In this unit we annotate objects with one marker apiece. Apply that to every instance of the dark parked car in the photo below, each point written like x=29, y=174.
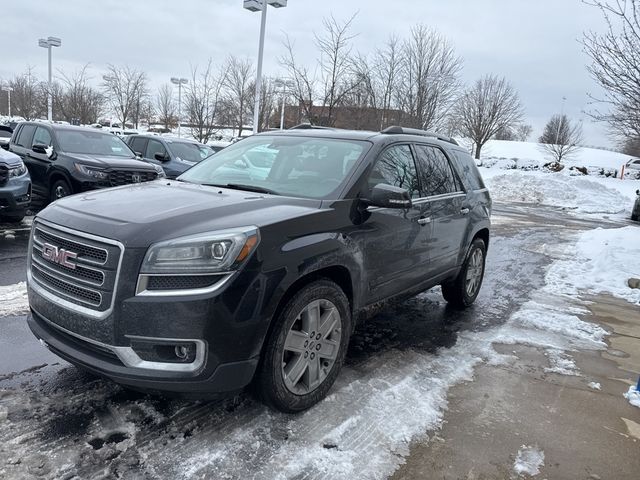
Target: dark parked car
x=5, y=136
x=635, y=213
x=64, y=160
x=174, y=155
x=219, y=278
x=15, y=187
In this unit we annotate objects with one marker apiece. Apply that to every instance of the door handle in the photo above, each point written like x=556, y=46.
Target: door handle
x=424, y=220
x=464, y=211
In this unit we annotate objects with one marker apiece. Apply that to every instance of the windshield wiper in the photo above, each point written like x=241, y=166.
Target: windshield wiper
x=249, y=188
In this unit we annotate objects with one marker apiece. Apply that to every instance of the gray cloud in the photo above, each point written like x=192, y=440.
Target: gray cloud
x=534, y=44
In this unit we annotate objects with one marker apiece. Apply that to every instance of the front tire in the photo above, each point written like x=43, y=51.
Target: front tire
x=305, y=350
x=60, y=189
x=463, y=291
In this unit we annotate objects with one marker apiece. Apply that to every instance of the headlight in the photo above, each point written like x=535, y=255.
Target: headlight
x=93, y=172
x=212, y=252
x=159, y=171
x=18, y=171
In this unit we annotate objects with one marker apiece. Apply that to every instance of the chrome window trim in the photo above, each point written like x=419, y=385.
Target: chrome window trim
x=143, y=281
x=62, y=302
x=130, y=358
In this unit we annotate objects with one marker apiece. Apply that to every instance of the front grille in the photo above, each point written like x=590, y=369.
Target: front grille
x=182, y=282
x=126, y=177
x=91, y=283
x=4, y=174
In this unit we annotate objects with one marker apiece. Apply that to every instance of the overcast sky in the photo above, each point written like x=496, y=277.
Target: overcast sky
x=533, y=43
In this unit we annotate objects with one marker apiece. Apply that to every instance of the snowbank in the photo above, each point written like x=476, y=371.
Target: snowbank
x=633, y=396
x=14, y=299
x=555, y=189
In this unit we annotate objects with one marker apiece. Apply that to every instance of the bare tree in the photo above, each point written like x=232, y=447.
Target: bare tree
x=631, y=146
x=523, y=131
x=428, y=80
x=615, y=64
x=332, y=82
x=268, y=104
x=125, y=89
x=75, y=100
x=239, y=90
x=202, y=99
x=27, y=96
x=489, y=105
x=166, y=106
x=560, y=138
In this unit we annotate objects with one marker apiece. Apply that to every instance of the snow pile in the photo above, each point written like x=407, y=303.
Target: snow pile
x=561, y=363
x=529, y=460
x=576, y=193
x=594, y=386
x=633, y=395
x=604, y=259
x=14, y=299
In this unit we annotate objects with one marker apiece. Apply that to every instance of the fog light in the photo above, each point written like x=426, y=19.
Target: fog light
x=181, y=352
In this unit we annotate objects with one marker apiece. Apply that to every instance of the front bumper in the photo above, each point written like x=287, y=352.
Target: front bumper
x=103, y=360
x=15, y=195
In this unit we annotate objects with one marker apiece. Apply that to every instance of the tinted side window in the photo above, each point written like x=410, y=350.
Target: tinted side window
x=25, y=136
x=436, y=175
x=467, y=166
x=138, y=144
x=154, y=147
x=395, y=167
x=42, y=137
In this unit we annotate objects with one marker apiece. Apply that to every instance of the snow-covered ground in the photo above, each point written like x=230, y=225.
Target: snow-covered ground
x=515, y=172
x=13, y=299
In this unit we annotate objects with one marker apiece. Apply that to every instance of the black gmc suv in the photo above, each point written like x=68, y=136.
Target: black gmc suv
x=64, y=160
x=224, y=276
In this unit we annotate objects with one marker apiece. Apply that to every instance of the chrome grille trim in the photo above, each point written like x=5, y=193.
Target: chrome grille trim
x=66, y=241
x=67, y=301
x=68, y=273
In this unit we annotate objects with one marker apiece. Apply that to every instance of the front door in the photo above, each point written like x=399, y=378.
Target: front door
x=395, y=240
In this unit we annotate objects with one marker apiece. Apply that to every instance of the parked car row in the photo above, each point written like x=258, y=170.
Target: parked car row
x=56, y=160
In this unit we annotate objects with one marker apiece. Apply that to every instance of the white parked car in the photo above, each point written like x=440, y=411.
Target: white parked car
x=633, y=164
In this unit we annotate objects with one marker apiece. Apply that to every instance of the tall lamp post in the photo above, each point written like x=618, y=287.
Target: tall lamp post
x=285, y=85
x=8, y=90
x=179, y=82
x=260, y=6
x=48, y=43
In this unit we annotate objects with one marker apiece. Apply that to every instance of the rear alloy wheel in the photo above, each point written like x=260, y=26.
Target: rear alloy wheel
x=306, y=348
x=463, y=291
x=60, y=189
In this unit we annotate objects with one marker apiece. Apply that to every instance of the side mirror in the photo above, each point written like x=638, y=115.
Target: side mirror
x=40, y=148
x=162, y=157
x=388, y=196
x=138, y=154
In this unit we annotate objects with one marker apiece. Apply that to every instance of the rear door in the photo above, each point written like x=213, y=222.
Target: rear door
x=395, y=240
x=449, y=212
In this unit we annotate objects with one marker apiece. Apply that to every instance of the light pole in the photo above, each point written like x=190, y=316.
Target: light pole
x=285, y=84
x=255, y=6
x=48, y=43
x=564, y=99
x=179, y=82
x=8, y=90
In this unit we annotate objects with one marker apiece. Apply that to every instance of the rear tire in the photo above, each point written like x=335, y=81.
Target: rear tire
x=60, y=189
x=464, y=289
x=305, y=350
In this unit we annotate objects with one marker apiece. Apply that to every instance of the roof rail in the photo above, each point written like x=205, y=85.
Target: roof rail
x=308, y=126
x=397, y=130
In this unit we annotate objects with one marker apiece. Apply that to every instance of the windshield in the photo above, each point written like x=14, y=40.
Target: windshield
x=186, y=151
x=92, y=143
x=296, y=166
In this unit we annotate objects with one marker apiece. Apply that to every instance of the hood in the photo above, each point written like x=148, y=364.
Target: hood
x=9, y=159
x=141, y=214
x=110, y=162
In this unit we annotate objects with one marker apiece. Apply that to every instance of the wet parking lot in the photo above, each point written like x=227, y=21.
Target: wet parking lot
x=390, y=400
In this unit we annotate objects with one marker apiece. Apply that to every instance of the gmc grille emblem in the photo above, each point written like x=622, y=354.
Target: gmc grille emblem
x=59, y=255
x=136, y=178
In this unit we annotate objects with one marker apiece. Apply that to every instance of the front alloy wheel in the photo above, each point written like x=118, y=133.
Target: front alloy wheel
x=306, y=347
x=311, y=347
